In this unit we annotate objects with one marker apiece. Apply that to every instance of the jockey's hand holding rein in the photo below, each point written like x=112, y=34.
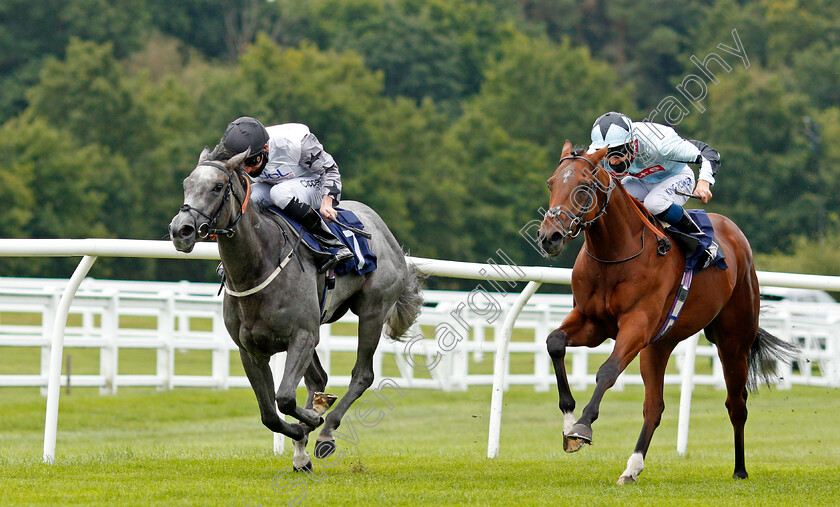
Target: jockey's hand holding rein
x=329, y=213
x=703, y=189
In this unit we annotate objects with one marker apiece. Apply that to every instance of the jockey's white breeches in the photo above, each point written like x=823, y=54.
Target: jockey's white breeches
x=658, y=197
x=306, y=189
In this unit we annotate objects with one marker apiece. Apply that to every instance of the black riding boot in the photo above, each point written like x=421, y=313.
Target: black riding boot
x=313, y=223
x=689, y=236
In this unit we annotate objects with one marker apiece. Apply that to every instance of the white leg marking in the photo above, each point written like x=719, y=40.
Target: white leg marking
x=569, y=420
x=635, y=465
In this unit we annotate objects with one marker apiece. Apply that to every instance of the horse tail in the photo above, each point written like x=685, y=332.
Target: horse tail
x=766, y=350
x=405, y=311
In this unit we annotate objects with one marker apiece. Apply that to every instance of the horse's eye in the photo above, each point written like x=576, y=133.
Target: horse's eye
x=218, y=188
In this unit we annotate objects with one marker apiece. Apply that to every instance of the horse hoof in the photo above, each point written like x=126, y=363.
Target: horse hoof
x=626, y=479
x=305, y=468
x=582, y=432
x=740, y=475
x=322, y=402
x=324, y=448
x=571, y=444
x=577, y=437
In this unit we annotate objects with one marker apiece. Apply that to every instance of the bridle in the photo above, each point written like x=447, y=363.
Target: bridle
x=591, y=190
x=206, y=230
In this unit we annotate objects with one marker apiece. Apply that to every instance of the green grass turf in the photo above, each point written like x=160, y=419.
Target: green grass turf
x=206, y=447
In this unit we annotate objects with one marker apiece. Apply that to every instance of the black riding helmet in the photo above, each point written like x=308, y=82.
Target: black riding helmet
x=243, y=133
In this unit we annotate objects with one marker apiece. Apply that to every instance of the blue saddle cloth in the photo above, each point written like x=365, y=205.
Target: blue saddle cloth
x=364, y=260
x=694, y=260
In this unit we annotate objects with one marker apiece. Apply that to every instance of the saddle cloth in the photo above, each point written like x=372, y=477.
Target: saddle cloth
x=695, y=260
x=364, y=260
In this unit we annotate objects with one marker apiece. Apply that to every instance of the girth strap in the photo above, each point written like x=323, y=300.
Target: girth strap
x=265, y=282
x=677, y=306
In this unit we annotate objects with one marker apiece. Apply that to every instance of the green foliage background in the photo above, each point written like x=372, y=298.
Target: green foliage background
x=446, y=116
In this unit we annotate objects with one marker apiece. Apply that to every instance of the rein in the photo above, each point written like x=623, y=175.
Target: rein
x=206, y=230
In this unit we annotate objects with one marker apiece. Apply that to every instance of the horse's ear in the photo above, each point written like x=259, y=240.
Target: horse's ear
x=567, y=148
x=205, y=154
x=236, y=160
x=598, y=155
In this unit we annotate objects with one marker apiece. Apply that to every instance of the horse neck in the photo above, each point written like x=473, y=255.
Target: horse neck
x=252, y=252
x=616, y=234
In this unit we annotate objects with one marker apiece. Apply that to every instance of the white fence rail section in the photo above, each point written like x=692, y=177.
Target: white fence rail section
x=188, y=316
x=443, y=354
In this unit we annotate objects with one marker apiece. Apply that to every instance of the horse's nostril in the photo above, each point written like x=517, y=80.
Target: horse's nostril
x=186, y=231
x=556, y=237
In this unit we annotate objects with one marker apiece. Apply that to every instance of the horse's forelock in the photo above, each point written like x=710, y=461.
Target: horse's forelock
x=220, y=153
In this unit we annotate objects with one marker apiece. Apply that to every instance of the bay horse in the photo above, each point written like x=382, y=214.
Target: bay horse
x=623, y=288
x=271, y=301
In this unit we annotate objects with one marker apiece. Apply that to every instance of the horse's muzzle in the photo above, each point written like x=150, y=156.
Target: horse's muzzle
x=182, y=230
x=553, y=243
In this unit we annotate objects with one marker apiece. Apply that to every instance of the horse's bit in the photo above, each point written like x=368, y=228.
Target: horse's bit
x=204, y=230
x=577, y=220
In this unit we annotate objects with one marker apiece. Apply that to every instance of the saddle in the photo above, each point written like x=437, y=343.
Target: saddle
x=363, y=261
x=701, y=250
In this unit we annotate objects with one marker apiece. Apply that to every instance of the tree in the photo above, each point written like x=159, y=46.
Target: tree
x=57, y=192
x=429, y=48
x=89, y=95
x=535, y=95
x=757, y=127
x=546, y=93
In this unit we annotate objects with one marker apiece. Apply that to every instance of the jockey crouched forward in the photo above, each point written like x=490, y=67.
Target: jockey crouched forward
x=653, y=160
x=291, y=170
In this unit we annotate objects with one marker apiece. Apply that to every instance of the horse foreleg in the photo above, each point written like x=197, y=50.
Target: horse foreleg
x=584, y=332
x=259, y=376
x=556, y=345
x=370, y=329
x=627, y=346
x=653, y=361
x=298, y=360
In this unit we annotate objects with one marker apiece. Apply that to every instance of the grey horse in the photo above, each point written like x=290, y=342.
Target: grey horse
x=271, y=301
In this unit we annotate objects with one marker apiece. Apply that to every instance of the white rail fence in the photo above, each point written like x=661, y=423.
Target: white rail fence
x=183, y=316
x=443, y=354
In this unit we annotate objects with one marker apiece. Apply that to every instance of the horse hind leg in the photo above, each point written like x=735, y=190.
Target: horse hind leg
x=733, y=342
x=370, y=329
x=316, y=381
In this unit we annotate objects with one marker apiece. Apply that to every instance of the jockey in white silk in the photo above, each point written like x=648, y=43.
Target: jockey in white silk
x=653, y=161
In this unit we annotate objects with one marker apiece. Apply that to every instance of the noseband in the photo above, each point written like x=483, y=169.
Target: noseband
x=577, y=220
x=205, y=229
